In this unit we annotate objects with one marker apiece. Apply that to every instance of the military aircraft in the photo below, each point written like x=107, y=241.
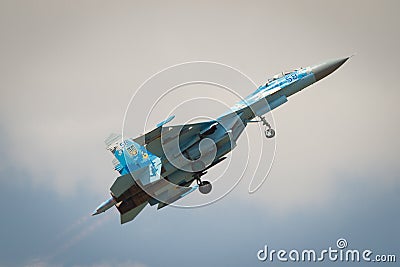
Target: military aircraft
x=160, y=166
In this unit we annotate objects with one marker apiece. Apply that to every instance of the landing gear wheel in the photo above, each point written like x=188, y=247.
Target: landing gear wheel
x=269, y=133
x=205, y=187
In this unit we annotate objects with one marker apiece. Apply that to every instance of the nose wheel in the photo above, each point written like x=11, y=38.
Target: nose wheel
x=204, y=186
x=269, y=132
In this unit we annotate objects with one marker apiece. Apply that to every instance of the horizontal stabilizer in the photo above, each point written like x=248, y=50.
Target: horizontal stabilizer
x=124, y=182
x=130, y=215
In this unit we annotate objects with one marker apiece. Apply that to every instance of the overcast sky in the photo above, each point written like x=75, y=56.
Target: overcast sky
x=69, y=68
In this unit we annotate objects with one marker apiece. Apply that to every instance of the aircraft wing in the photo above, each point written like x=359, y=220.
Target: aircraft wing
x=152, y=139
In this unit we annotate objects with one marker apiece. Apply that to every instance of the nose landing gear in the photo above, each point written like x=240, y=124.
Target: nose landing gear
x=269, y=132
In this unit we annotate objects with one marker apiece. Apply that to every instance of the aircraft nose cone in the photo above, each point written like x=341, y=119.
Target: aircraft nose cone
x=322, y=70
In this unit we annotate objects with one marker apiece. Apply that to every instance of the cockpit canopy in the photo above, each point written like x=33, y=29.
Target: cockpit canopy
x=280, y=75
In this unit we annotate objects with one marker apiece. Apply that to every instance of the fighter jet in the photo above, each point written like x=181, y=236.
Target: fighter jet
x=160, y=166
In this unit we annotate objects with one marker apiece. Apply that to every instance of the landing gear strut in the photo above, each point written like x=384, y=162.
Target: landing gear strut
x=204, y=186
x=269, y=132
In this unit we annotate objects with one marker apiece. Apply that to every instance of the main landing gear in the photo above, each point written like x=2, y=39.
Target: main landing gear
x=204, y=186
x=269, y=132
